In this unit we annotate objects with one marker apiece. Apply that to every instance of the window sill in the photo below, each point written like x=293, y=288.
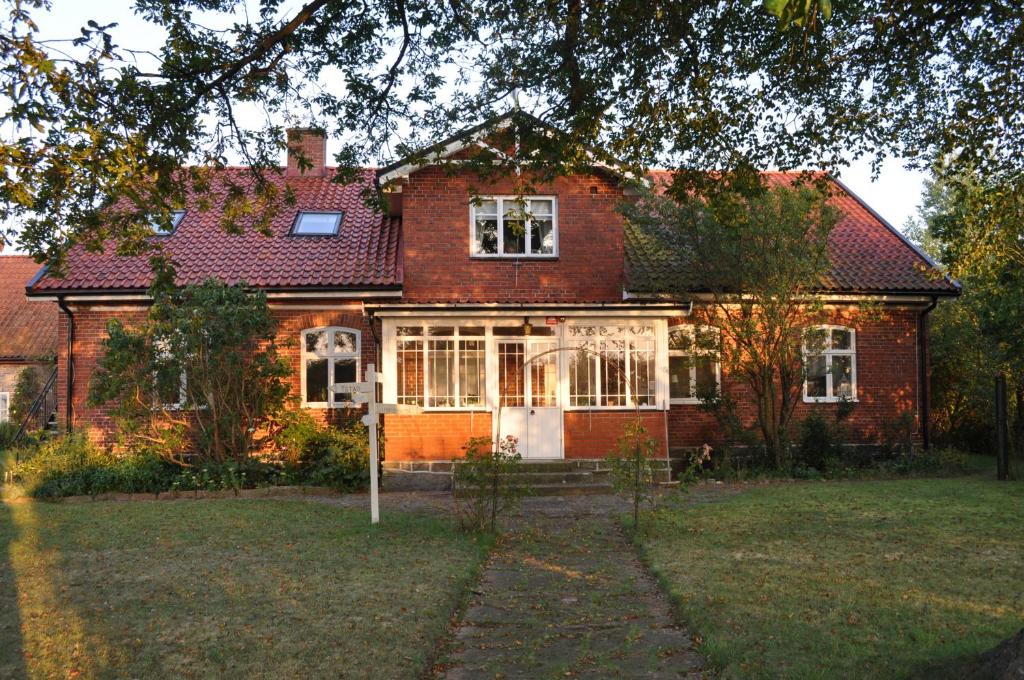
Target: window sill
x=685, y=402
x=829, y=400
x=323, y=405
x=541, y=258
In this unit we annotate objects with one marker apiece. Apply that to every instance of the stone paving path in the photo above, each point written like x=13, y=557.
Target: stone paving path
x=563, y=595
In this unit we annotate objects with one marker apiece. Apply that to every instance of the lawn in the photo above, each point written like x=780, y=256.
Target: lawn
x=880, y=579
x=225, y=588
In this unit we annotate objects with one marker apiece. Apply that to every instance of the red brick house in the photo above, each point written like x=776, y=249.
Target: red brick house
x=28, y=329
x=448, y=295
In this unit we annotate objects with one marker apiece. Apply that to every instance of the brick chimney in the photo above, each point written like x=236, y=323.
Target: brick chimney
x=311, y=144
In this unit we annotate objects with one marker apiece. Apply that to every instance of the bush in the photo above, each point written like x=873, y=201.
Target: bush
x=486, y=483
x=8, y=431
x=324, y=455
x=818, y=443
x=72, y=465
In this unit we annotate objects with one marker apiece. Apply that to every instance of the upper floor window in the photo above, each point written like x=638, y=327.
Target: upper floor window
x=317, y=224
x=513, y=226
x=329, y=355
x=830, y=364
x=694, y=371
x=161, y=230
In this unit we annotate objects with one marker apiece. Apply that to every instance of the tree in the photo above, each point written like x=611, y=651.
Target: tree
x=975, y=228
x=759, y=254
x=28, y=386
x=102, y=129
x=200, y=377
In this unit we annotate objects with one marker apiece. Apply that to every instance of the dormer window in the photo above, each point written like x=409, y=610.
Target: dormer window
x=514, y=226
x=160, y=230
x=317, y=224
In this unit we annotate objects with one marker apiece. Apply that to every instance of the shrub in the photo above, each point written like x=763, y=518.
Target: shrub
x=631, y=469
x=818, y=443
x=336, y=458
x=486, y=483
x=26, y=389
x=8, y=431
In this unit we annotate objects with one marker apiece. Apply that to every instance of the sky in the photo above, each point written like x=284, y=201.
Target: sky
x=895, y=194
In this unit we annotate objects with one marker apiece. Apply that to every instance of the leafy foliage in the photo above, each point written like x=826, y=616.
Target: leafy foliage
x=487, y=483
x=103, y=128
x=632, y=472
x=325, y=455
x=27, y=387
x=759, y=252
x=200, y=377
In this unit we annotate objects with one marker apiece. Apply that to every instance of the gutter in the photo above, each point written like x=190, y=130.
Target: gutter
x=69, y=371
x=924, y=393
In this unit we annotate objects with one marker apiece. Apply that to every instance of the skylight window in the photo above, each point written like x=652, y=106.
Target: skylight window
x=317, y=224
x=160, y=230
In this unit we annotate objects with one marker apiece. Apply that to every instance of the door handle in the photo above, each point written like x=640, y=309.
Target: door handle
x=532, y=412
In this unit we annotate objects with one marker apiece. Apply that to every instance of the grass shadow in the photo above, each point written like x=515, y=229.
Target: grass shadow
x=12, y=651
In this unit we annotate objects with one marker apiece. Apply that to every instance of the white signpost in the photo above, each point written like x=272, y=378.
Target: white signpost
x=366, y=393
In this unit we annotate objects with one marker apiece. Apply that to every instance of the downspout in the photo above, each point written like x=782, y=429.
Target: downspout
x=924, y=396
x=69, y=370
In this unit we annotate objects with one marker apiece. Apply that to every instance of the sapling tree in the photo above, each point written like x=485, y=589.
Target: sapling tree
x=201, y=376
x=759, y=254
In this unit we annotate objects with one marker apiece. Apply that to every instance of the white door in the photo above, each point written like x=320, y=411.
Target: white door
x=528, y=394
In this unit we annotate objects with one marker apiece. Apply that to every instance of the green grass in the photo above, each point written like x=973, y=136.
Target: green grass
x=880, y=579
x=225, y=588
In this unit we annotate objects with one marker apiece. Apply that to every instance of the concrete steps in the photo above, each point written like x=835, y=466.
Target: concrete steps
x=541, y=477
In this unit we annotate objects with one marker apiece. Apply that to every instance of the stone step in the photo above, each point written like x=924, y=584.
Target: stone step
x=578, y=489
x=563, y=477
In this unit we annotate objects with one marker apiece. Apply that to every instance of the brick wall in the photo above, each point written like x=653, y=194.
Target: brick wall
x=887, y=374
x=433, y=436
x=90, y=331
x=436, y=235
x=594, y=434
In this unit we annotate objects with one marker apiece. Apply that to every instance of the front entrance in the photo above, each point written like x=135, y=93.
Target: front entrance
x=528, y=395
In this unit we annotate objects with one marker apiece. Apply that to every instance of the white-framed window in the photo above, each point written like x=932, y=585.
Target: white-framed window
x=5, y=406
x=612, y=366
x=329, y=355
x=169, y=378
x=830, y=364
x=441, y=366
x=317, y=223
x=161, y=230
x=694, y=369
x=513, y=226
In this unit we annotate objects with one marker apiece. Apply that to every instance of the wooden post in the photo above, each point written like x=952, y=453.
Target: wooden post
x=1002, y=461
x=366, y=393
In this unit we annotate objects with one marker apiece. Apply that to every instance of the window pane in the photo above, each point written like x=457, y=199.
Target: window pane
x=471, y=372
x=486, y=235
x=514, y=234
x=344, y=371
x=472, y=330
x=316, y=380
x=344, y=342
x=641, y=379
x=442, y=331
x=613, y=373
x=816, y=385
x=707, y=377
x=410, y=372
x=168, y=384
x=323, y=224
x=511, y=386
x=5, y=406
x=680, y=339
x=841, y=339
x=679, y=377
x=842, y=376
x=508, y=331
x=542, y=237
x=489, y=207
x=316, y=341
x=410, y=330
x=544, y=376
x=441, y=369
x=583, y=378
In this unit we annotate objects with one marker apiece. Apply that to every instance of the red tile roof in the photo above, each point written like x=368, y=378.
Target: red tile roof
x=868, y=255
x=364, y=254
x=28, y=328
